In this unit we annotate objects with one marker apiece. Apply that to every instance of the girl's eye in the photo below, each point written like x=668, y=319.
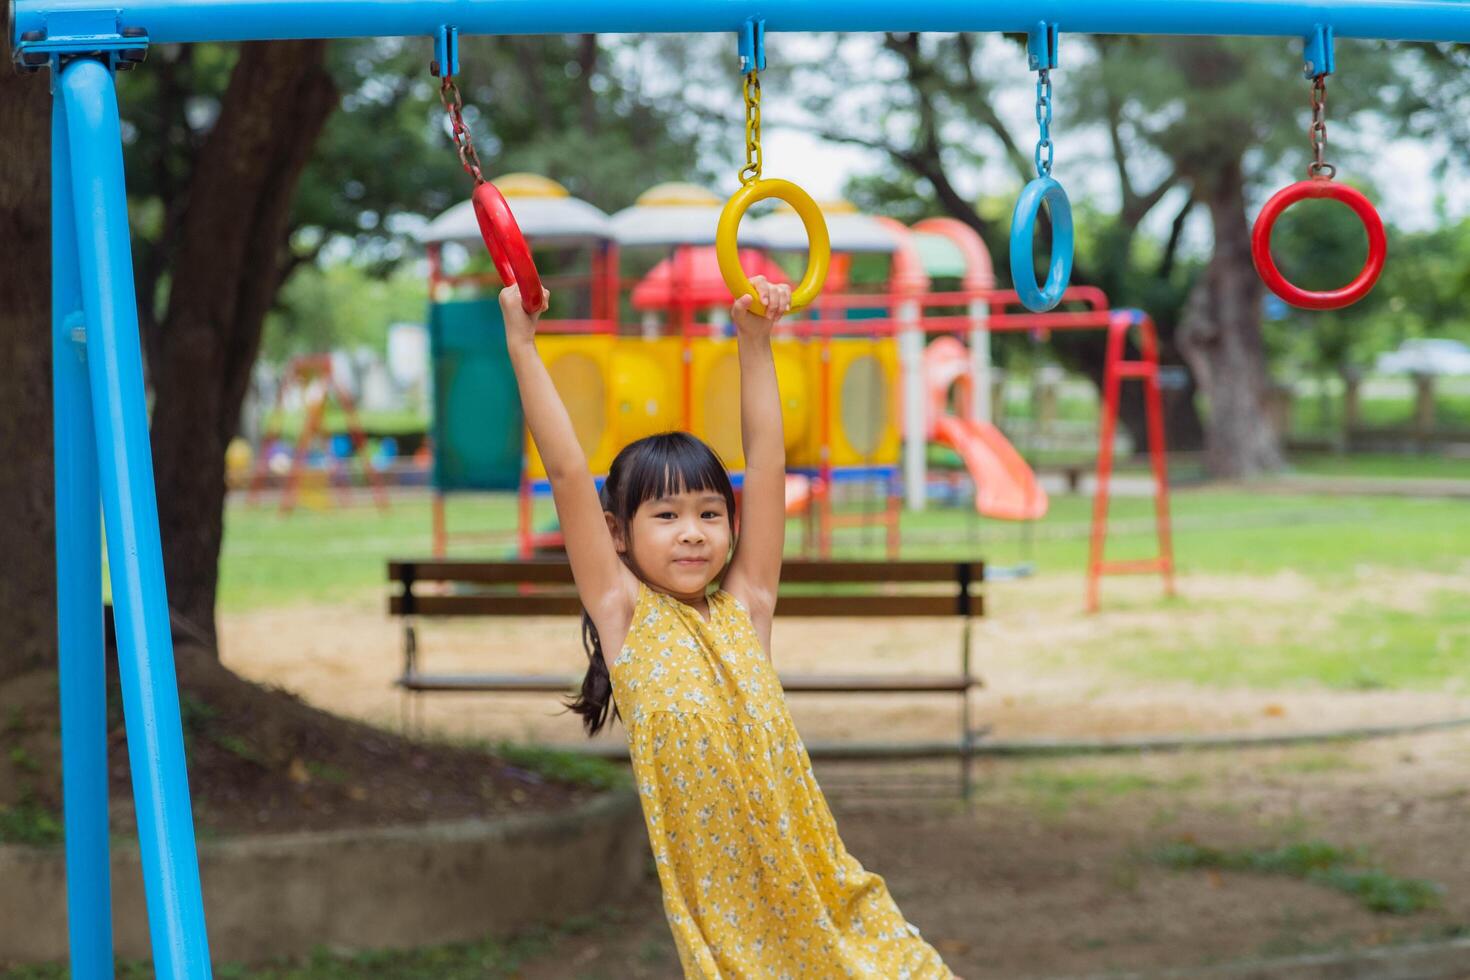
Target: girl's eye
x=665, y=513
x=712, y=514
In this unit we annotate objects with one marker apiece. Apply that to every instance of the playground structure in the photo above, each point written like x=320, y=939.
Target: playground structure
x=312, y=376
x=101, y=430
x=844, y=365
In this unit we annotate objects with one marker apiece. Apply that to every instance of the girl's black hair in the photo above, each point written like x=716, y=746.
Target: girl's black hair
x=652, y=467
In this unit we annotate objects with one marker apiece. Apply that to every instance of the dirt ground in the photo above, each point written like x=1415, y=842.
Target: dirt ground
x=1055, y=870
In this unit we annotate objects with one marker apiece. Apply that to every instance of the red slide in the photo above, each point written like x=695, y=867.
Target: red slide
x=1005, y=487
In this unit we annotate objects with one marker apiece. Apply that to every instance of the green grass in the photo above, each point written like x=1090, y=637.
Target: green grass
x=1054, y=793
x=1314, y=762
x=338, y=555
x=397, y=422
x=485, y=960
x=29, y=823
x=272, y=559
x=1363, y=649
x=1220, y=533
x=1316, y=862
x=567, y=767
x=1383, y=465
x=1310, y=416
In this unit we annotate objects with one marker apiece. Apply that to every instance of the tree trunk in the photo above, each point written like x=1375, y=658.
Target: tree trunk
x=1220, y=337
x=232, y=252
x=28, y=573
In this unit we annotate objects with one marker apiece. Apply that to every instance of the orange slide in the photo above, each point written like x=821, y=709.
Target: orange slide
x=1005, y=487
x=798, y=494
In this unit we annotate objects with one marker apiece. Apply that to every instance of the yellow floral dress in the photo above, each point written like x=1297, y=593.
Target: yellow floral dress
x=756, y=882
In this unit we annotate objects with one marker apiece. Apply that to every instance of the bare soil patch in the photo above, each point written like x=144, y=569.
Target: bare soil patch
x=261, y=761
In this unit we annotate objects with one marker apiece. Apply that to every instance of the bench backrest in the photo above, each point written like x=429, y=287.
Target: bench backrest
x=808, y=588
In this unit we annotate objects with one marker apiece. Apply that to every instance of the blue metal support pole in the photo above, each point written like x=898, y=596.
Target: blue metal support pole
x=81, y=655
x=165, y=21
x=130, y=510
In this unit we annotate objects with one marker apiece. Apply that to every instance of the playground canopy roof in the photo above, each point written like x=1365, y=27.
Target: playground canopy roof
x=940, y=257
x=849, y=231
x=545, y=211
x=676, y=214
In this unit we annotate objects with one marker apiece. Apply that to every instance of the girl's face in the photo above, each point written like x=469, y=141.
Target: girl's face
x=679, y=543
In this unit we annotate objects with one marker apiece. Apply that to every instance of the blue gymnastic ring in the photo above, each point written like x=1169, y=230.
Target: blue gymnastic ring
x=1023, y=229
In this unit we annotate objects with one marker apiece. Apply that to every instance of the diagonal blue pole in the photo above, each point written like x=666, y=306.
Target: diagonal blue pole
x=81, y=657
x=130, y=510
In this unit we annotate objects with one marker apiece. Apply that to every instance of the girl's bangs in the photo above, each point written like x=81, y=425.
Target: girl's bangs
x=674, y=464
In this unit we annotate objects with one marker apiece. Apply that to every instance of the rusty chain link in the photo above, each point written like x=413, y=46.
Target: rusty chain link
x=1318, y=167
x=458, y=131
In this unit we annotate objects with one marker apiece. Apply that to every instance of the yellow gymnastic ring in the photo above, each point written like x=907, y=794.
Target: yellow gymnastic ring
x=819, y=245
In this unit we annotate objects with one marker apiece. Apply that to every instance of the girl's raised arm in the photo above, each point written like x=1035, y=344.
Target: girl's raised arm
x=602, y=580
x=755, y=571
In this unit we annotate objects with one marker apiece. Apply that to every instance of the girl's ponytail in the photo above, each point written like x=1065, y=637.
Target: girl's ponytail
x=595, y=699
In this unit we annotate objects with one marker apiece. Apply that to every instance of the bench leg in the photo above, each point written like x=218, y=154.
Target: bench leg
x=967, y=754
x=967, y=745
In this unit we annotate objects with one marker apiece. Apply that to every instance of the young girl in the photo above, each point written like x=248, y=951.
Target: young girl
x=756, y=882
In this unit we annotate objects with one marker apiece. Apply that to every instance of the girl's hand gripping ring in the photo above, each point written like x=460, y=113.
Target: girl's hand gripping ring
x=507, y=245
x=819, y=248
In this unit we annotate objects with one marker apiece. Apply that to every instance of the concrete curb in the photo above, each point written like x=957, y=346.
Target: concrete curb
x=1422, y=961
x=375, y=888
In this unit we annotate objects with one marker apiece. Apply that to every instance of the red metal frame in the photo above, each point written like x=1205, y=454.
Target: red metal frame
x=302, y=371
x=1116, y=369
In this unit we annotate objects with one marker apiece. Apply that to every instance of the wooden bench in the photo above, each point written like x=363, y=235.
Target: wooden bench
x=435, y=588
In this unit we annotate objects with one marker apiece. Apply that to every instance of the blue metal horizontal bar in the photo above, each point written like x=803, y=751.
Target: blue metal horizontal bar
x=169, y=21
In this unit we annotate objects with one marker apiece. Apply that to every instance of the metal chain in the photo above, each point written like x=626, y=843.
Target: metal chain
x=1044, y=148
x=1318, y=168
x=458, y=131
x=751, y=172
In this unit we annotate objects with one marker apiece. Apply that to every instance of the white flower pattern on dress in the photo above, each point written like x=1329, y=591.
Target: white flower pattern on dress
x=756, y=881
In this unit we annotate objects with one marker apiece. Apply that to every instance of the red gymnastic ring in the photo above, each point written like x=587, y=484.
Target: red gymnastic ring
x=1332, y=299
x=507, y=245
